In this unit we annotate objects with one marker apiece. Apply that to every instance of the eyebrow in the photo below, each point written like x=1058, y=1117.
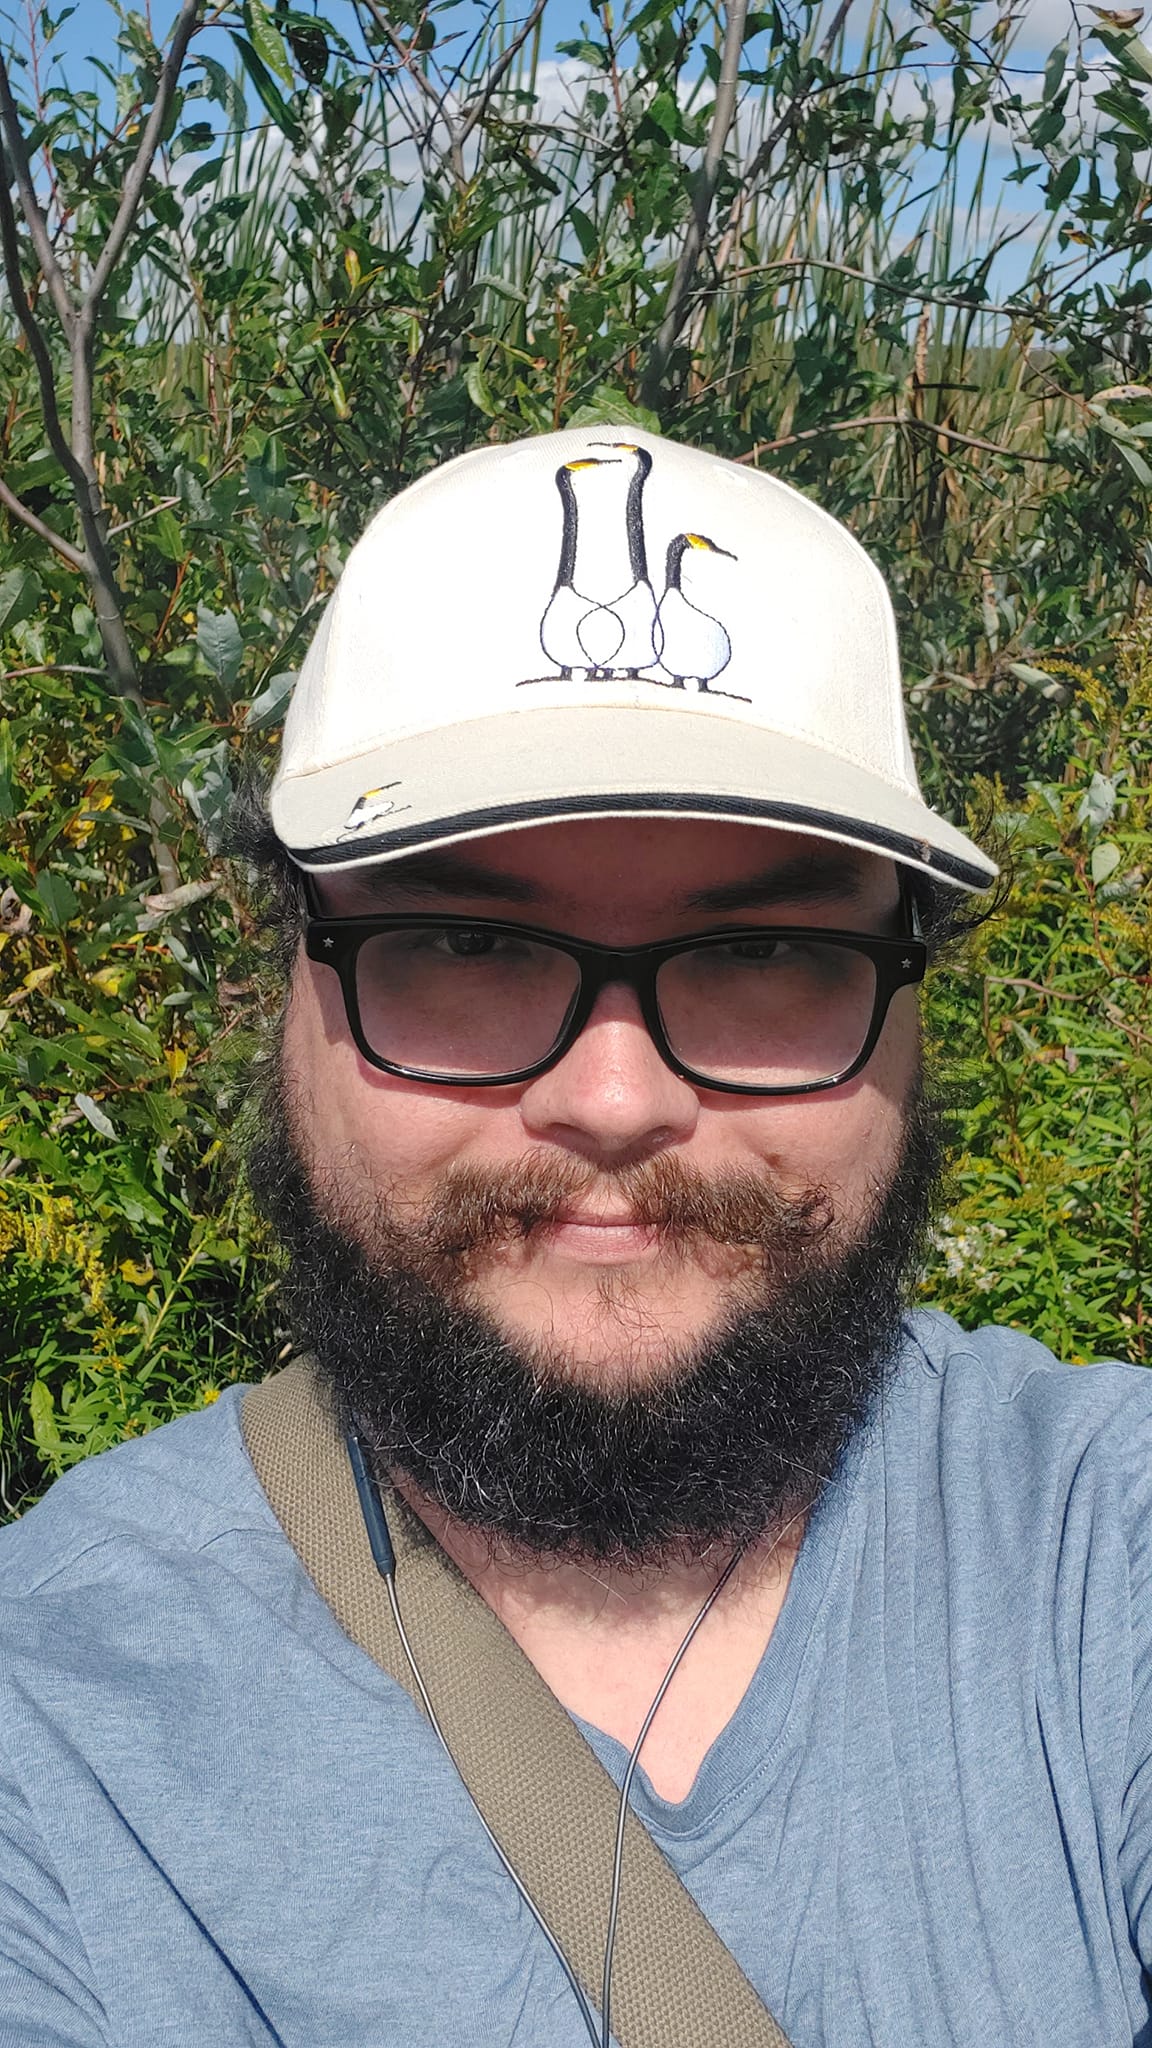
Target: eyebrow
x=803, y=880
x=444, y=874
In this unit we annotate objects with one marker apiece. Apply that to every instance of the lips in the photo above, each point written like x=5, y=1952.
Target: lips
x=620, y=1219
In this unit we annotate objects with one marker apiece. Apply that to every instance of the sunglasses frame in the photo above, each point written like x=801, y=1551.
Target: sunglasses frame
x=335, y=942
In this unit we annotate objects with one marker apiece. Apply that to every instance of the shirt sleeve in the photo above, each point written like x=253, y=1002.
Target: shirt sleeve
x=47, y=1999
x=1135, y=1494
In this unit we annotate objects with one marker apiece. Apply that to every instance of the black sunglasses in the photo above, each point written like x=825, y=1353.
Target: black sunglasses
x=748, y=1010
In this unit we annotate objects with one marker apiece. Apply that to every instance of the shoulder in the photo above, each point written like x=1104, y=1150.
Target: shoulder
x=182, y=1489
x=999, y=1368
x=1007, y=1420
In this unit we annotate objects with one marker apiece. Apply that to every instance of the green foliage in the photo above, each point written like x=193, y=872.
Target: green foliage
x=369, y=241
x=132, y=1278
x=1045, y=1032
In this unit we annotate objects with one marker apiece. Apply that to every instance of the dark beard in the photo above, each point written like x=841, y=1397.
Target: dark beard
x=735, y=1439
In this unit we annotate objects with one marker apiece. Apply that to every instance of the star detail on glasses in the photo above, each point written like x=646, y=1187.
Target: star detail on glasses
x=903, y=963
x=332, y=942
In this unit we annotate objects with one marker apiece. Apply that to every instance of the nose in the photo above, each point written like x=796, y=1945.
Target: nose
x=611, y=1098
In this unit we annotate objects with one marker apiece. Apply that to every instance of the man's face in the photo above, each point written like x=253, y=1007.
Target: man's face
x=592, y=1287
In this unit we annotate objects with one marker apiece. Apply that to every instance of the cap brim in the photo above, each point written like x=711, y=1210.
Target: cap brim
x=532, y=768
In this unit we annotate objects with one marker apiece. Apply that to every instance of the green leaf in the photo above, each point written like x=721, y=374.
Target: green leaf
x=609, y=407
x=1025, y=673
x=45, y=1434
x=1106, y=858
x=592, y=54
x=204, y=174
x=168, y=536
x=1097, y=803
x=19, y=596
x=1123, y=105
x=268, y=91
x=1136, y=463
x=585, y=232
x=267, y=41
x=223, y=88
x=56, y=897
x=269, y=707
x=652, y=12
x=220, y=642
x=476, y=385
x=95, y=1115
x=1062, y=184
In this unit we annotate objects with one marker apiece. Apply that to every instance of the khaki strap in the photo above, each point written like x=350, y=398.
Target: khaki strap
x=541, y=1788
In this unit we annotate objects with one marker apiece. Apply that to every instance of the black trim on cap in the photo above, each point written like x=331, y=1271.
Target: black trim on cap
x=408, y=838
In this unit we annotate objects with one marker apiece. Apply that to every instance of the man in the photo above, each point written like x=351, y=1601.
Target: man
x=598, y=1143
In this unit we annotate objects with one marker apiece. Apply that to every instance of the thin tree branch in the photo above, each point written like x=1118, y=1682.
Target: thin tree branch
x=186, y=22
x=140, y=518
x=479, y=106
x=763, y=156
x=30, y=205
x=50, y=668
x=34, y=333
x=423, y=84
x=922, y=295
x=893, y=419
x=723, y=115
x=56, y=541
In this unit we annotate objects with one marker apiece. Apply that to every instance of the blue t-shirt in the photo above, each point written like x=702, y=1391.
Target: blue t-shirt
x=929, y=1823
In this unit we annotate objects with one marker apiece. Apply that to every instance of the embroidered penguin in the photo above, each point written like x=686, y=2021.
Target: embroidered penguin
x=691, y=644
x=601, y=616
x=635, y=607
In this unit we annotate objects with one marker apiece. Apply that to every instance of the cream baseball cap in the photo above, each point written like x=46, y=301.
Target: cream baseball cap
x=601, y=623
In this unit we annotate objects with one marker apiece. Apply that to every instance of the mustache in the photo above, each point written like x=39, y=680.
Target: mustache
x=477, y=1210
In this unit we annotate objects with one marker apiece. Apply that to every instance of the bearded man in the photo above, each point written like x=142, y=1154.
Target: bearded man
x=612, y=1472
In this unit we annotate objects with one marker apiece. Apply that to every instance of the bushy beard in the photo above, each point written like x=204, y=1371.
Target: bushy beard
x=734, y=1438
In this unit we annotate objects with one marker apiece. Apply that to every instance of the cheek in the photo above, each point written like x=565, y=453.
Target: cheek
x=353, y=1120
x=847, y=1139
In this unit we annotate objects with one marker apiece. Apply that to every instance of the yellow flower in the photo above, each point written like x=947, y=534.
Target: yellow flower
x=211, y=1394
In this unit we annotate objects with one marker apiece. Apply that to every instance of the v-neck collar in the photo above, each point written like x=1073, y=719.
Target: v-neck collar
x=746, y=1747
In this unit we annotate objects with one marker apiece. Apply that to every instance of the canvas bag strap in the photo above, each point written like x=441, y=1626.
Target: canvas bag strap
x=541, y=1788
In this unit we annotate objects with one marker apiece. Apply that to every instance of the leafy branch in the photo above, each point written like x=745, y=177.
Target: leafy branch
x=704, y=193
x=78, y=314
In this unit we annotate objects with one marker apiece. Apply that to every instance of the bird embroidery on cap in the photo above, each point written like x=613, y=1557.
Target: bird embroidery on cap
x=602, y=622
x=602, y=612
x=693, y=646
x=370, y=808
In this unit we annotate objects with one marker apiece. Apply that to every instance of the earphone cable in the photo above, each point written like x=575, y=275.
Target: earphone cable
x=380, y=1541
x=384, y=1558
x=525, y=1894
x=626, y=1788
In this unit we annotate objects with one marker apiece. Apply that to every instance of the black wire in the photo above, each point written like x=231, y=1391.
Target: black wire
x=626, y=1787
x=525, y=1894
x=380, y=1541
x=384, y=1558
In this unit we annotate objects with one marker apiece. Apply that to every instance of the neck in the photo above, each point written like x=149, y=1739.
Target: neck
x=603, y=1635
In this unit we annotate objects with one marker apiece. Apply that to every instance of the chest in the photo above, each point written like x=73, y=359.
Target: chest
x=294, y=1862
